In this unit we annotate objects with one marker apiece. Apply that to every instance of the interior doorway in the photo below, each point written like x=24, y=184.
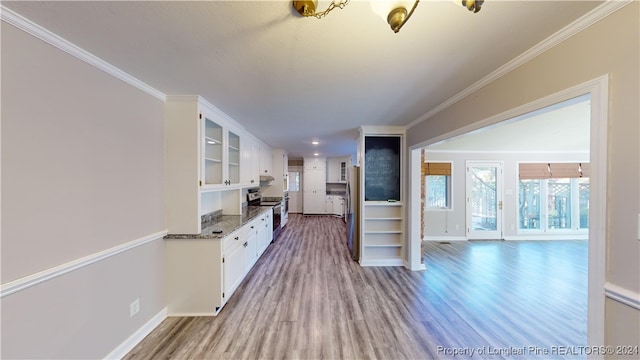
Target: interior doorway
x=597, y=89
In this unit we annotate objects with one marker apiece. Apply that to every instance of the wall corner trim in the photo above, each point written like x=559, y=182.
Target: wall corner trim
x=51, y=273
x=28, y=26
x=622, y=295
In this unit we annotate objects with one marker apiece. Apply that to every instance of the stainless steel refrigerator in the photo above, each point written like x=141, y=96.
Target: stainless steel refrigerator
x=353, y=212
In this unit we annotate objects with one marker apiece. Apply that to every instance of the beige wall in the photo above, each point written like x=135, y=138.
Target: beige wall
x=82, y=172
x=611, y=46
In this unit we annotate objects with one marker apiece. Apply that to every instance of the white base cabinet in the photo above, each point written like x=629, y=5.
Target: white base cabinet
x=202, y=274
x=335, y=205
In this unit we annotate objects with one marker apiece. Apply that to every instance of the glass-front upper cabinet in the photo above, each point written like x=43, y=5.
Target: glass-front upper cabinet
x=233, y=164
x=213, y=153
x=221, y=160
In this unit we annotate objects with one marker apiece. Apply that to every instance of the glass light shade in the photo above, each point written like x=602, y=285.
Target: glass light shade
x=382, y=8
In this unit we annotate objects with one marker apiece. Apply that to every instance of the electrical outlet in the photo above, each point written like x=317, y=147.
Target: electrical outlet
x=134, y=307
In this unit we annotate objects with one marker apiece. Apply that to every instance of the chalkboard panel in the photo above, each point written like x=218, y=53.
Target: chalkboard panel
x=382, y=168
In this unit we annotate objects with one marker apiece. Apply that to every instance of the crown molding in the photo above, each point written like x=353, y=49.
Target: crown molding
x=11, y=17
x=592, y=17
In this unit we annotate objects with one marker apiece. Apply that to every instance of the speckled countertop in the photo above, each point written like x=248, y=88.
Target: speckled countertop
x=226, y=223
x=338, y=192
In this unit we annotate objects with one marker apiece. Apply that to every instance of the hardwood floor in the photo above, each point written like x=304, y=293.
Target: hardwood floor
x=306, y=299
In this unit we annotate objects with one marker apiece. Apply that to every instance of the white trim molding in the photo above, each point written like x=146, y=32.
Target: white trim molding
x=382, y=262
x=51, y=273
x=11, y=17
x=552, y=237
x=622, y=295
x=123, y=349
x=444, y=238
x=598, y=89
x=605, y=9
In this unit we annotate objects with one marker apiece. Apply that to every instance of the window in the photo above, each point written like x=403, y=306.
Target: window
x=529, y=204
x=559, y=203
x=437, y=185
x=553, y=196
x=583, y=208
x=294, y=181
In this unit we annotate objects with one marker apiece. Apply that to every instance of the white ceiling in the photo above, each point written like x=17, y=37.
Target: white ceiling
x=563, y=127
x=290, y=80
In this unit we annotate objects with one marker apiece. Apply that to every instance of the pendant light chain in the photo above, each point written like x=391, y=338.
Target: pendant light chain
x=333, y=5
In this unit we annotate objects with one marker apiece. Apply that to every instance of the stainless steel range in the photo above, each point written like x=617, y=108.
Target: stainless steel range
x=254, y=198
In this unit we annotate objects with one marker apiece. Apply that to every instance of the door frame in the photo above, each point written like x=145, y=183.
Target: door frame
x=498, y=233
x=598, y=89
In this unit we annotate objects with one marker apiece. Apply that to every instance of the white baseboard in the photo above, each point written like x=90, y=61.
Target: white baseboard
x=192, y=314
x=381, y=262
x=547, y=237
x=622, y=295
x=419, y=267
x=444, y=238
x=123, y=349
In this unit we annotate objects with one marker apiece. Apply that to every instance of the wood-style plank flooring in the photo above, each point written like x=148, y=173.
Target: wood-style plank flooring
x=306, y=299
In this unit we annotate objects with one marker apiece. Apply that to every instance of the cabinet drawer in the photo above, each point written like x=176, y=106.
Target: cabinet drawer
x=232, y=240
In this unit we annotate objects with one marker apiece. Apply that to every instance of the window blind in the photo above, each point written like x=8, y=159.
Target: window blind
x=431, y=168
x=553, y=170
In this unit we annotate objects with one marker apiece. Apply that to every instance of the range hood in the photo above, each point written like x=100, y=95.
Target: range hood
x=266, y=179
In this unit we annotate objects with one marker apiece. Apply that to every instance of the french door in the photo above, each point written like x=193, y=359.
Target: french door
x=484, y=200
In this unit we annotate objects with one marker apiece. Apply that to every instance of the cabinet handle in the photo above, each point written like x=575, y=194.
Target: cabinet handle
x=252, y=226
x=237, y=238
x=245, y=244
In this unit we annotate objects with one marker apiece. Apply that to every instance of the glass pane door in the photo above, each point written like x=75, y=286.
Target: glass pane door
x=484, y=200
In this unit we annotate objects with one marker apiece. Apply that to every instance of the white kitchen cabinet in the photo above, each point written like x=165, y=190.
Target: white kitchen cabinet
x=203, y=148
x=250, y=163
x=315, y=163
x=328, y=208
x=251, y=247
x=233, y=262
x=314, y=187
x=337, y=169
x=285, y=170
x=338, y=206
x=265, y=232
x=221, y=150
x=280, y=174
x=202, y=274
x=266, y=161
x=335, y=205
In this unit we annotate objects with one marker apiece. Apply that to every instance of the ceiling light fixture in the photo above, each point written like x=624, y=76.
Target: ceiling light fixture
x=315, y=142
x=473, y=5
x=307, y=8
x=393, y=11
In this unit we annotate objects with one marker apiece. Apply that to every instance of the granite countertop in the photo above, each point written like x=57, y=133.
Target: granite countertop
x=340, y=193
x=225, y=223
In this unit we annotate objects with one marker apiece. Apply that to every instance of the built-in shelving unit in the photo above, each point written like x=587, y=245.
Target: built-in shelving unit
x=381, y=155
